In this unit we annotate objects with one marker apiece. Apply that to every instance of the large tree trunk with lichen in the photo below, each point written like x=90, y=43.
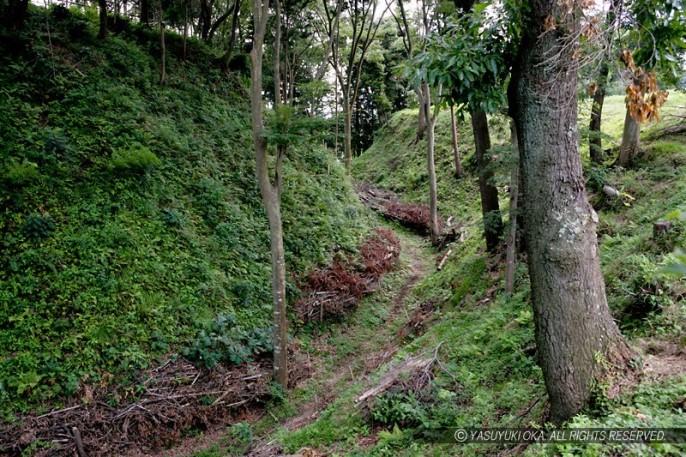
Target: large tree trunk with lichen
x=576, y=336
x=630, y=150
x=271, y=196
x=493, y=223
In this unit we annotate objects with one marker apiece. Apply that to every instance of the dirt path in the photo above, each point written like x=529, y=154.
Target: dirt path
x=419, y=264
x=332, y=370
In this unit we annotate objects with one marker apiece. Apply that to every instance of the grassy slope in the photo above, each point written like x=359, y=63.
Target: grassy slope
x=487, y=340
x=131, y=222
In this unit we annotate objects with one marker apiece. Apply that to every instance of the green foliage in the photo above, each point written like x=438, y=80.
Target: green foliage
x=225, y=341
x=37, y=226
x=102, y=274
x=399, y=409
x=18, y=173
x=469, y=60
x=136, y=158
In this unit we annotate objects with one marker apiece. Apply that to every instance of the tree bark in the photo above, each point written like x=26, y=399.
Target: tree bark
x=576, y=336
x=595, y=146
x=163, y=46
x=14, y=13
x=145, y=12
x=226, y=58
x=456, y=147
x=422, y=116
x=595, y=141
x=434, y=229
x=511, y=256
x=102, y=6
x=347, y=132
x=493, y=224
x=631, y=143
x=271, y=196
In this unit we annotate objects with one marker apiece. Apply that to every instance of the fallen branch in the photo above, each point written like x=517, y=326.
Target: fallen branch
x=445, y=257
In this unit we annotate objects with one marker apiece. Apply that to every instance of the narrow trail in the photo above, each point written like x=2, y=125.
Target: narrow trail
x=391, y=303
x=417, y=268
x=340, y=355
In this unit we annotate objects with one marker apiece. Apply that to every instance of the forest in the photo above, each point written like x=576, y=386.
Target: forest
x=342, y=228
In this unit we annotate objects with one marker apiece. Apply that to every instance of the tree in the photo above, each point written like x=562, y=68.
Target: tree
x=658, y=38
x=271, y=195
x=576, y=336
x=595, y=141
x=363, y=18
x=13, y=13
x=468, y=60
x=102, y=32
x=456, y=148
x=163, y=46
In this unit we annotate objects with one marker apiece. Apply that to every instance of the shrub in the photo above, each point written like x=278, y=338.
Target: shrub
x=138, y=158
x=17, y=173
x=38, y=226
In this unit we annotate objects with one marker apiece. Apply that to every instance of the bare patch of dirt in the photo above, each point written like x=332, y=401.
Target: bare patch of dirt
x=662, y=359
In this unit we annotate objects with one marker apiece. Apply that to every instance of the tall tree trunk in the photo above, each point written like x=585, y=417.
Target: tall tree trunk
x=630, y=149
x=347, y=132
x=456, y=147
x=102, y=32
x=163, y=46
x=145, y=12
x=185, y=29
x=595, y=140
x=422, y=116
x=595, y=143
x=277, y=55
x=271, y=196
x=434, y=229
x=511, y=256
x=575, y=333
x=13, y=13
x=493, y=223
x=226, y=58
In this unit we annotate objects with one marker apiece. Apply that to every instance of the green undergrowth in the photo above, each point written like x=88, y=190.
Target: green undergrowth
x=488, y=376
x=131, y=222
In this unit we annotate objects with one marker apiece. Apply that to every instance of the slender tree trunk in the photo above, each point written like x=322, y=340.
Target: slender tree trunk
x=277, y=55
x=185, y=29
x=594, y=135
x=456, y=148
x=511, y=256
x=493, y=224
x=575, y=333
x=347, y=132
x=102, y=5
x=163, y=47
x=271, y=196
x=226, y=58
x=434, y=229
x=422, y=116
x=631, y=144
x=595, y=140
x=145, y=12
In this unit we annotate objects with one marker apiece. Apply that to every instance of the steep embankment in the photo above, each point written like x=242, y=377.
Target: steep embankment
x=131, y=223
x=480, y=344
